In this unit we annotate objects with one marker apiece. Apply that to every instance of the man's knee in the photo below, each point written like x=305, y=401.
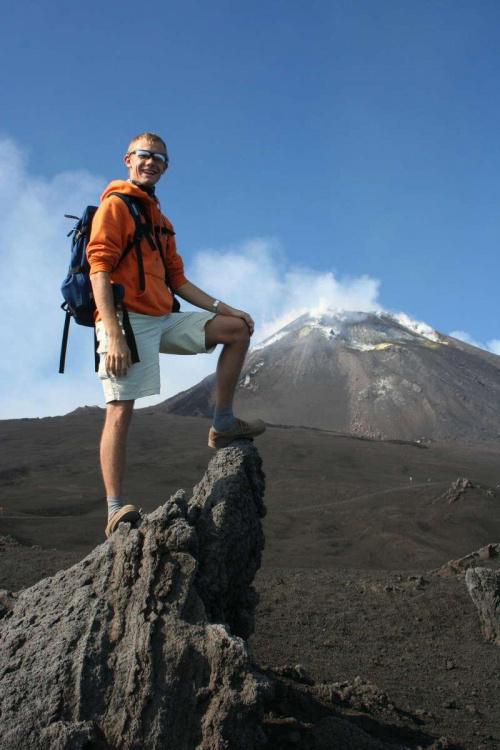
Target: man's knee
x=227, y=330
x=242, y=334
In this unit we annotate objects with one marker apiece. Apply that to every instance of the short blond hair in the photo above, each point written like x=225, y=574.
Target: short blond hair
x=151, y=138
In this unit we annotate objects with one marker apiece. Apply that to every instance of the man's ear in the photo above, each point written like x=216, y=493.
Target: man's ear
x=126, y=159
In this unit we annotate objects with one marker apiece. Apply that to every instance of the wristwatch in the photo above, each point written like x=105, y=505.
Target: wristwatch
x=215, y=305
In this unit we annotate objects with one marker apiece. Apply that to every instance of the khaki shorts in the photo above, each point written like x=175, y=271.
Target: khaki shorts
x=177, y=333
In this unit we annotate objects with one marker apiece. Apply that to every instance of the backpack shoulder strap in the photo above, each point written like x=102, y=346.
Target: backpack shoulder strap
x=64, y=342
x=169, y=234
x=147, y=227
x=140, y=232
x=151, y=236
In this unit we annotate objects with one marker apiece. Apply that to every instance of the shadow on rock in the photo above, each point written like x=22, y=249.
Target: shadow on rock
x=353, y=715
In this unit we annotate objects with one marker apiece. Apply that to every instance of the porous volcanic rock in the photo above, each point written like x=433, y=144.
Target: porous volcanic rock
x=484, y=588
x=132, y=647
x=490, y=552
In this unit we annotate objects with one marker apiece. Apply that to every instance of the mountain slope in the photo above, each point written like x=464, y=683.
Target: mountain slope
x=364, y=374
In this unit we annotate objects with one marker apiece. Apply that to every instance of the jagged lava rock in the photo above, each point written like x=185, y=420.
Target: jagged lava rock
x=490, y=552
x=131, y=648
x=484, y=587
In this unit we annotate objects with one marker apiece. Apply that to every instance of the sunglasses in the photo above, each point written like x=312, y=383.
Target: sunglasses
x=143, y=154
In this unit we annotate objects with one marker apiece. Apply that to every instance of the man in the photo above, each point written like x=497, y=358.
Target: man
x=156, y=328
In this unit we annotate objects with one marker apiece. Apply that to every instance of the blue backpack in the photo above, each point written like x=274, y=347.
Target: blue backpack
x=76, y=288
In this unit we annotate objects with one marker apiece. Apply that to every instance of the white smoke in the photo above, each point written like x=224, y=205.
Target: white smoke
x=416, y=326
x=256, y=278
x=492, y=346
x=33, y=262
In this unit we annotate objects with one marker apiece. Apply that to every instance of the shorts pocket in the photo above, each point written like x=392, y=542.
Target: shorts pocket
x=103, y=370
x=102, y=338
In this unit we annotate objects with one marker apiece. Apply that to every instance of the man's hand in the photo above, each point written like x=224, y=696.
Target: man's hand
x=198, y=297
x=118, y=357
x=227, y=310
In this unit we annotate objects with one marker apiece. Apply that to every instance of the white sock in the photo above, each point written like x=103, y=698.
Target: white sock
x=114, y=504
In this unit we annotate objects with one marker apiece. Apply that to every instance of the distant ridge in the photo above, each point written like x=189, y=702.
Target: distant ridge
x=80, y=410
x=370, y=374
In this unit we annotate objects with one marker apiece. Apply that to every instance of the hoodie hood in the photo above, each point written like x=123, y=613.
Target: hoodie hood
x=128, y=188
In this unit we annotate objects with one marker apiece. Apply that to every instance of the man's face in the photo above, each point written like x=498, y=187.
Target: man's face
x=146, y=171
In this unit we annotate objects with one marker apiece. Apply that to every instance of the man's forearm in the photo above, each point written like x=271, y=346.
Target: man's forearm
x=104, y=300
x=118, y=357
x=196, y=296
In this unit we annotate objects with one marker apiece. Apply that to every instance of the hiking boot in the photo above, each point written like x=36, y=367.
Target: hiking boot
x=127, y=514
x=239, y=430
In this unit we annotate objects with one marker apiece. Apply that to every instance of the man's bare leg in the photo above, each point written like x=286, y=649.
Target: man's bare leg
x=233, y=333
x=113, y=451
x=113, y=445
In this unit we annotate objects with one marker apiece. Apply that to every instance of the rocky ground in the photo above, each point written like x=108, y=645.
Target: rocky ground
x=415, y=636
x=402, y=654
x=346, y=589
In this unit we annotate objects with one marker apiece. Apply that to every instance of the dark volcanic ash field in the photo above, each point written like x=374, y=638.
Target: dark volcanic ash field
x=355, y=525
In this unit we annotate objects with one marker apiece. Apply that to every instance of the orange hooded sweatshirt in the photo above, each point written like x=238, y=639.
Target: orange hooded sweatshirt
x=112, y=229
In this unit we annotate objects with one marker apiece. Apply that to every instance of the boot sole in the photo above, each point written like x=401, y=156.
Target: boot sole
x=127, y=514
x=223, y=442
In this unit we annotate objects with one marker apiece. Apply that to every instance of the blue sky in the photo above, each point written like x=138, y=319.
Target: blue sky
x=352, y=144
